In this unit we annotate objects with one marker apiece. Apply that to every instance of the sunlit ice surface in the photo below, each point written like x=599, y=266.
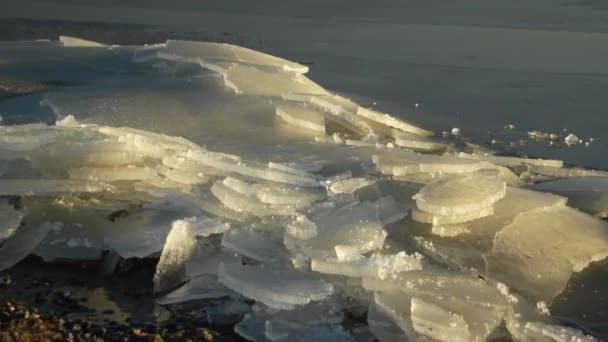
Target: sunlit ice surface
x=251, y=182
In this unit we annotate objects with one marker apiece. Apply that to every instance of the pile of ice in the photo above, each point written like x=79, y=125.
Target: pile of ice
x=258, y=189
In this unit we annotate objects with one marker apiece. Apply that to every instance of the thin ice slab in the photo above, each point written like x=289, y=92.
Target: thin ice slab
x=277, y=287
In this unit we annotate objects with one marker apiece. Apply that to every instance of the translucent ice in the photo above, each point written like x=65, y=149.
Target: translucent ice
x=539, y=250
x=460, y=195
x=278, y=288
x=302, y=117
x=179, y=247
x=251, y=244
x=376, y=265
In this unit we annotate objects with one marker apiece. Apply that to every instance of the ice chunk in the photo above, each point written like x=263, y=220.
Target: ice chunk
x=564, y=172
x=302, y=117
x=251, y=244
x=377, y=265
x=539, y=250
x=539, y=331
x=440, y=220
x=253, y=81
x=417, y=142
x=10, y=219
x=140, y=234
x=231, y=165
x=212, y=52
x=203, y=226
x=301, y=228
x=390, y=121
x=179, y=247
x=350, y=185
x=337, y=110
x=512, y=161
x=401, y=163
x=571, y=139
x=357, y=225
x=589, y=194
x=39, y=187
x=436, y=322
x=68, y=41
x=207, y=258
x=459, y=195
x=249, y=203
x=276, y=287
x=279, y=194
x=19, y=245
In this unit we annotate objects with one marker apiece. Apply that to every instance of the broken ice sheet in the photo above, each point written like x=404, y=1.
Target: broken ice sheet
x=537, y=252
x=588, y=193
x=353, y=264
x=465, y=251
x=251, y=244
x=277, y=287
x=302, y=117
x=358, y=226
x=212, y=52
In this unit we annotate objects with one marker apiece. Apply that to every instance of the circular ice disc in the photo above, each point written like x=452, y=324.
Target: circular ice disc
x=460, y=194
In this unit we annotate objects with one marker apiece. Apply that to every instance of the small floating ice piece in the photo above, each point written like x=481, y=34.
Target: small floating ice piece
x=22, y=243
x=571, y=139
x=251, y=244
x=10, y=219
x=39, y=187
x=276, y=287
x=459, y=195
x=440, y=220
x=377, y=265
x=302, y=117
x=537, y=252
